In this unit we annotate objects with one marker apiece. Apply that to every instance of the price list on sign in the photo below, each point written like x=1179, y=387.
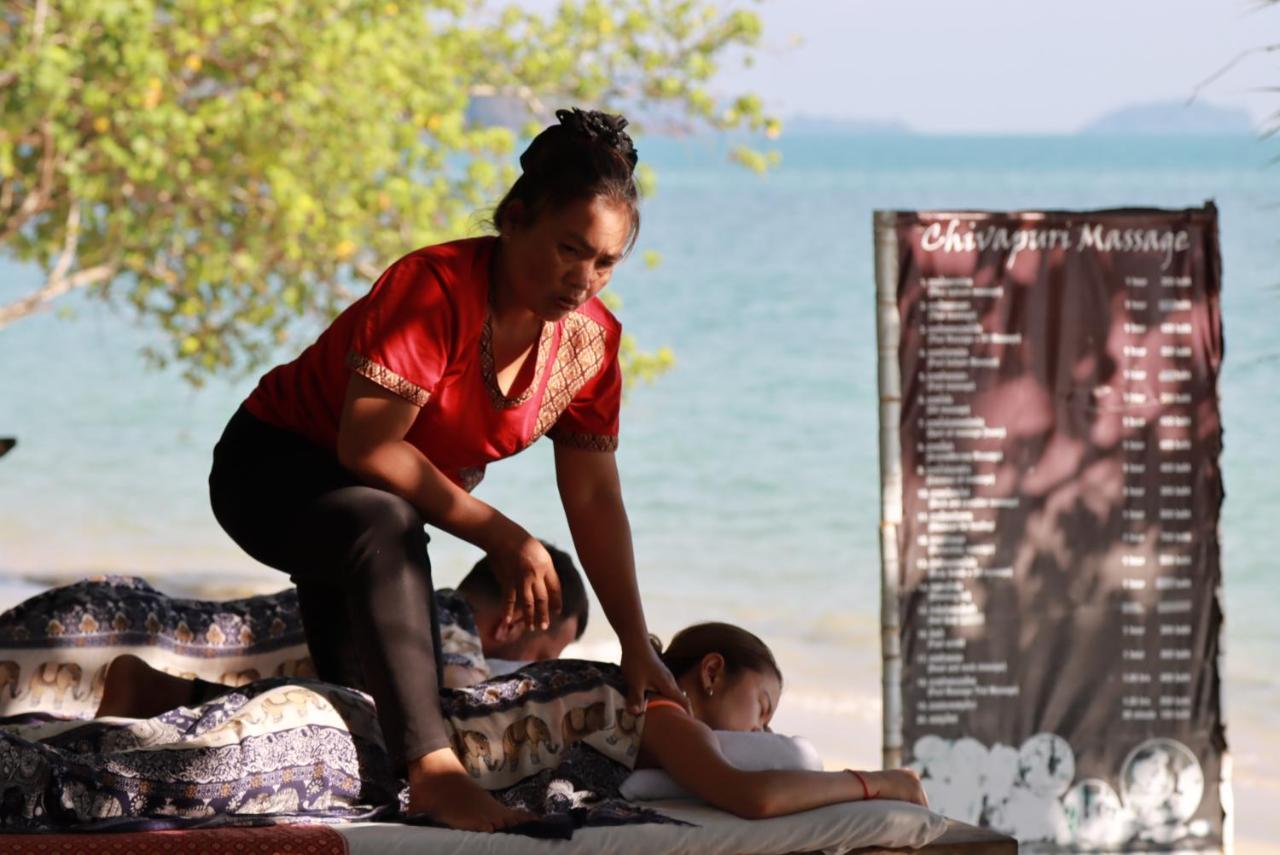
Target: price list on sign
x=1157, y=630
x=1059, y=577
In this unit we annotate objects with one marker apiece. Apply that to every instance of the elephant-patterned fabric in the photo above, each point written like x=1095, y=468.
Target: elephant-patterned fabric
x=514, y=726
x=55, y=646
x=553, y=737
x=276, y=748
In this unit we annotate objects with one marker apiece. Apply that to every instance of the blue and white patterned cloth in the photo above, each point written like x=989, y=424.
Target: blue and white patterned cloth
x=55, y=646
x=553, y=737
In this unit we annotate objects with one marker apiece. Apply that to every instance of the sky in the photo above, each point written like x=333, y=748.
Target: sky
x=1002, y=66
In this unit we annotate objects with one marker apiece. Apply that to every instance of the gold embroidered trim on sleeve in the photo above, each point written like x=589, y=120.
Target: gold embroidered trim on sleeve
x=579, y=358
x=586, y=441
x=387, y=379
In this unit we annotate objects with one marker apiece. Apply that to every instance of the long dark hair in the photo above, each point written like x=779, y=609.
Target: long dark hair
x=742, y=650
x=586, y=155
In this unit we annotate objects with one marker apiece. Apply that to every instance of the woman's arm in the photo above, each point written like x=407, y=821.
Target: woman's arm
x=591, y=493
x=592, y=497
x=371, y=445
x=687, y=749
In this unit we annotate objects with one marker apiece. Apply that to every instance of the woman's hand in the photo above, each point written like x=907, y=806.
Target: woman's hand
x=530, y=586
x=643, y=670
x=901, y=785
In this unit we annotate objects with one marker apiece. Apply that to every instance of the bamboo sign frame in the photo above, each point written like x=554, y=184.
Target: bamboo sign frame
x=889, y=381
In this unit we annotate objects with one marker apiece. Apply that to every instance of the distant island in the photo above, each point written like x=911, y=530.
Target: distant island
x=1173, y=117
x=661, y=120
x=1159, y=117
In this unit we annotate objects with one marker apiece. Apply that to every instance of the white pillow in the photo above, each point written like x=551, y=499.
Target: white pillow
x=752, y=751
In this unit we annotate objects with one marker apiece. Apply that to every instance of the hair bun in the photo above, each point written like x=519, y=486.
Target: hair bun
x=603, y=127
x=590, y=125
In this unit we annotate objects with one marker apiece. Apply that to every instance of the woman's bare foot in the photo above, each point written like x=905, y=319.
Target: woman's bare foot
x=440, y=787
x=133, y=689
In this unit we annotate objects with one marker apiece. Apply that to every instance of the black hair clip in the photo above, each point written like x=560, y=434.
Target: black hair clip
x=595, y=125
x=591, y=125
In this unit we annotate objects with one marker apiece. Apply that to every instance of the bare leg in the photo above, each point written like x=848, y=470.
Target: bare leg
x=133, y=689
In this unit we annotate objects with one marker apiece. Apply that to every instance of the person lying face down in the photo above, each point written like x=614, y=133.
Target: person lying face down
x=729, y=678
x=472, y=629
x=471, y=633
x=733, y=682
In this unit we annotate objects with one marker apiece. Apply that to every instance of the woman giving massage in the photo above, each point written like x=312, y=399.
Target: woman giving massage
x=729, y=676
x=462, y=354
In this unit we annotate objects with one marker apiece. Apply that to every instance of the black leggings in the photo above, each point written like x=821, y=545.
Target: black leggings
x=358, y=555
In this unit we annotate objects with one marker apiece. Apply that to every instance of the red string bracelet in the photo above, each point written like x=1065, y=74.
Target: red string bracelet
x=866, y=791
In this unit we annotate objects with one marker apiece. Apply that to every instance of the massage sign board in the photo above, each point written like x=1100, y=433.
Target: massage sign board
x=1050, y=459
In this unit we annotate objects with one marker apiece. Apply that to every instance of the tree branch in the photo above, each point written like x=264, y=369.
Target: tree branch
x=37, y=25
x=1230, y=65
x=39, y=199
x=53, y=289
x=59, y=282
x=70, y=240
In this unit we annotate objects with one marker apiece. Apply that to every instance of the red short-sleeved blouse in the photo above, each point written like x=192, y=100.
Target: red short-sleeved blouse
x=423, y=332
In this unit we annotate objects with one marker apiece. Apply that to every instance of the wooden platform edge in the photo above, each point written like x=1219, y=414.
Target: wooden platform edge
x=959, y=839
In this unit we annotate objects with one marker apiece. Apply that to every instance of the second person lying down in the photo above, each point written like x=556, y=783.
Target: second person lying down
x=470, y=617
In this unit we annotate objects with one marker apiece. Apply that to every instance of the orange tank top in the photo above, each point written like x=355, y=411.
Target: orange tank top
x=662, y=702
